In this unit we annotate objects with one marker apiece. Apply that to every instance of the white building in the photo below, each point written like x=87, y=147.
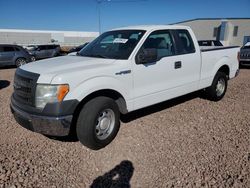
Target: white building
x=28, y=37
x=230, y=31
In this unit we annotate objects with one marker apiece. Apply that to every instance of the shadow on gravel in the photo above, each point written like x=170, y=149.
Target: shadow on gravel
x=134, y=115
x=244, y=67
x=117, y=177
x=70, y=138
x=159, y=107
x=4, y=84
x=8, y=67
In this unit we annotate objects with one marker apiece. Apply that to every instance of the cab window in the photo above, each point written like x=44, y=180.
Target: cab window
x=185, y=43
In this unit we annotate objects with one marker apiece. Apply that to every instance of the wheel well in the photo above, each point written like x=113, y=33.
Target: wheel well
x=119, y=99
x=20, y=58
x=225, y=69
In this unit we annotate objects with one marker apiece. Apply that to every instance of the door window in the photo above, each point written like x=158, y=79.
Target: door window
x=162, y=41
x=42, y=47
x=8, y=49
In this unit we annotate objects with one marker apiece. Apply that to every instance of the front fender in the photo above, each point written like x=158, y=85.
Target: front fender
x=99, y=83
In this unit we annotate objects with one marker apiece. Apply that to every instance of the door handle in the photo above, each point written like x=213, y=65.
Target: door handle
x=177, y=65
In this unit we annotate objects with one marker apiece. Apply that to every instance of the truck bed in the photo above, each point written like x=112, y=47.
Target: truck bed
x=214, y=58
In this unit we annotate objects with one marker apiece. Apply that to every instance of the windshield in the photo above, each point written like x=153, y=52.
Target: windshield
x=246, y=46
x=117, y=44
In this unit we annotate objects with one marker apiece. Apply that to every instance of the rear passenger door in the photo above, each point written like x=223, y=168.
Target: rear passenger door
x=50, y=51
x=1, y=52
x=7, y=54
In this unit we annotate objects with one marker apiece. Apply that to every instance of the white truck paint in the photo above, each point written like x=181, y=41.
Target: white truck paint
x=140, y=84
x=146, y=85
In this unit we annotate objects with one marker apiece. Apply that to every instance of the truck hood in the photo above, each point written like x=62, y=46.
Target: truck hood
x=52, y=67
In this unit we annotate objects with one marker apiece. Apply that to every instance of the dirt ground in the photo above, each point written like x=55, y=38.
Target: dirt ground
x=186, y=142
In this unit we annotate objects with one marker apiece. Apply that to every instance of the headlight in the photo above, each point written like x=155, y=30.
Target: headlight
x=49, y=94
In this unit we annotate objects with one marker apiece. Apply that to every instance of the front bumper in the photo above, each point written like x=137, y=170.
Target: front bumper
x=52, y=126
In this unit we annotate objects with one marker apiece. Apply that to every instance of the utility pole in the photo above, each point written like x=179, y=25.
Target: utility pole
x=99, y=14
x=99, y=2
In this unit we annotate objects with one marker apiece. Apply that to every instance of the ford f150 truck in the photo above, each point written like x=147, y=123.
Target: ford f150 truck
x=120, y=71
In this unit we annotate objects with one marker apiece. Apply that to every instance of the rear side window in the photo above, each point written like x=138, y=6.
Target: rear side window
x=8, y=49
x=42, y=47
x=51, y=47
x=185, y=43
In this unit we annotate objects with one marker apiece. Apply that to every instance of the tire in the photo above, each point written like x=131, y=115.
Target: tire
x=33, y=58
x=20, y=61
x=98, y=123
x=218, y=88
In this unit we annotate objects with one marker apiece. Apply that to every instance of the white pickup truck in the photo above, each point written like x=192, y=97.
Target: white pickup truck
x=120, y=71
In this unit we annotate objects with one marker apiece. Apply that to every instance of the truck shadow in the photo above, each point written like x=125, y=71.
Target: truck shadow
x=244, y=67
x=118, y=177
x=136, y=114
x=4, y=84
x=159, y=107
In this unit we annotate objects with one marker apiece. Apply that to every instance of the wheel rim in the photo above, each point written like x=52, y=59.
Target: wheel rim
x=105, y=124
x=220, y=87
x=20, y=62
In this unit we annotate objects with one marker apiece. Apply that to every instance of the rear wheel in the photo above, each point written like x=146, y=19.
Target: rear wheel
x=33, y=58
x=20, y=61
x=218, y=88
x=98, y=122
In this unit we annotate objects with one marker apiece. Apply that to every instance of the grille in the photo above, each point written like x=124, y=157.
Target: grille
x=24, y=87
x=245, y=56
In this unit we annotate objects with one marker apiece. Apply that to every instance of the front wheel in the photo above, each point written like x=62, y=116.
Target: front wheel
x=218, y=88
x=98, y=122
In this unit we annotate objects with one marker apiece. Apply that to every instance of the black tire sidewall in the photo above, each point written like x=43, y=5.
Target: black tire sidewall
x=212, y=94
x=86, y=122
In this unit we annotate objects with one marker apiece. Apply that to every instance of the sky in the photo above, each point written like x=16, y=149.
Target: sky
x=82, y=15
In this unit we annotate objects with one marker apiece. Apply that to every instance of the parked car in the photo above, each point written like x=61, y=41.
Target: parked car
x=78, y=48
x=13, y=55
x=210, y=43
x=206, y=44
x=245, y=54
x=44, y=51
x=121, y=71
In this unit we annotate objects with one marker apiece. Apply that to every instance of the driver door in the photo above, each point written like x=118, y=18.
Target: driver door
x=169, y=76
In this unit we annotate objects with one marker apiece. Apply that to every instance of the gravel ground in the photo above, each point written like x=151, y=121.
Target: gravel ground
x=186, y=142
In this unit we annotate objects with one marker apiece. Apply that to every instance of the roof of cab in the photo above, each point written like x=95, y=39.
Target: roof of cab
x=152, y=27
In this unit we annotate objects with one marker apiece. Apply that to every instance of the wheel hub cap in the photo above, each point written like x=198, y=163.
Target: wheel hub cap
x=105, y=124
x=220, y=87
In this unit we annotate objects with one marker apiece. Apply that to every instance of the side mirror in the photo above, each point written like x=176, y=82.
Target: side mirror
x=148, y=55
